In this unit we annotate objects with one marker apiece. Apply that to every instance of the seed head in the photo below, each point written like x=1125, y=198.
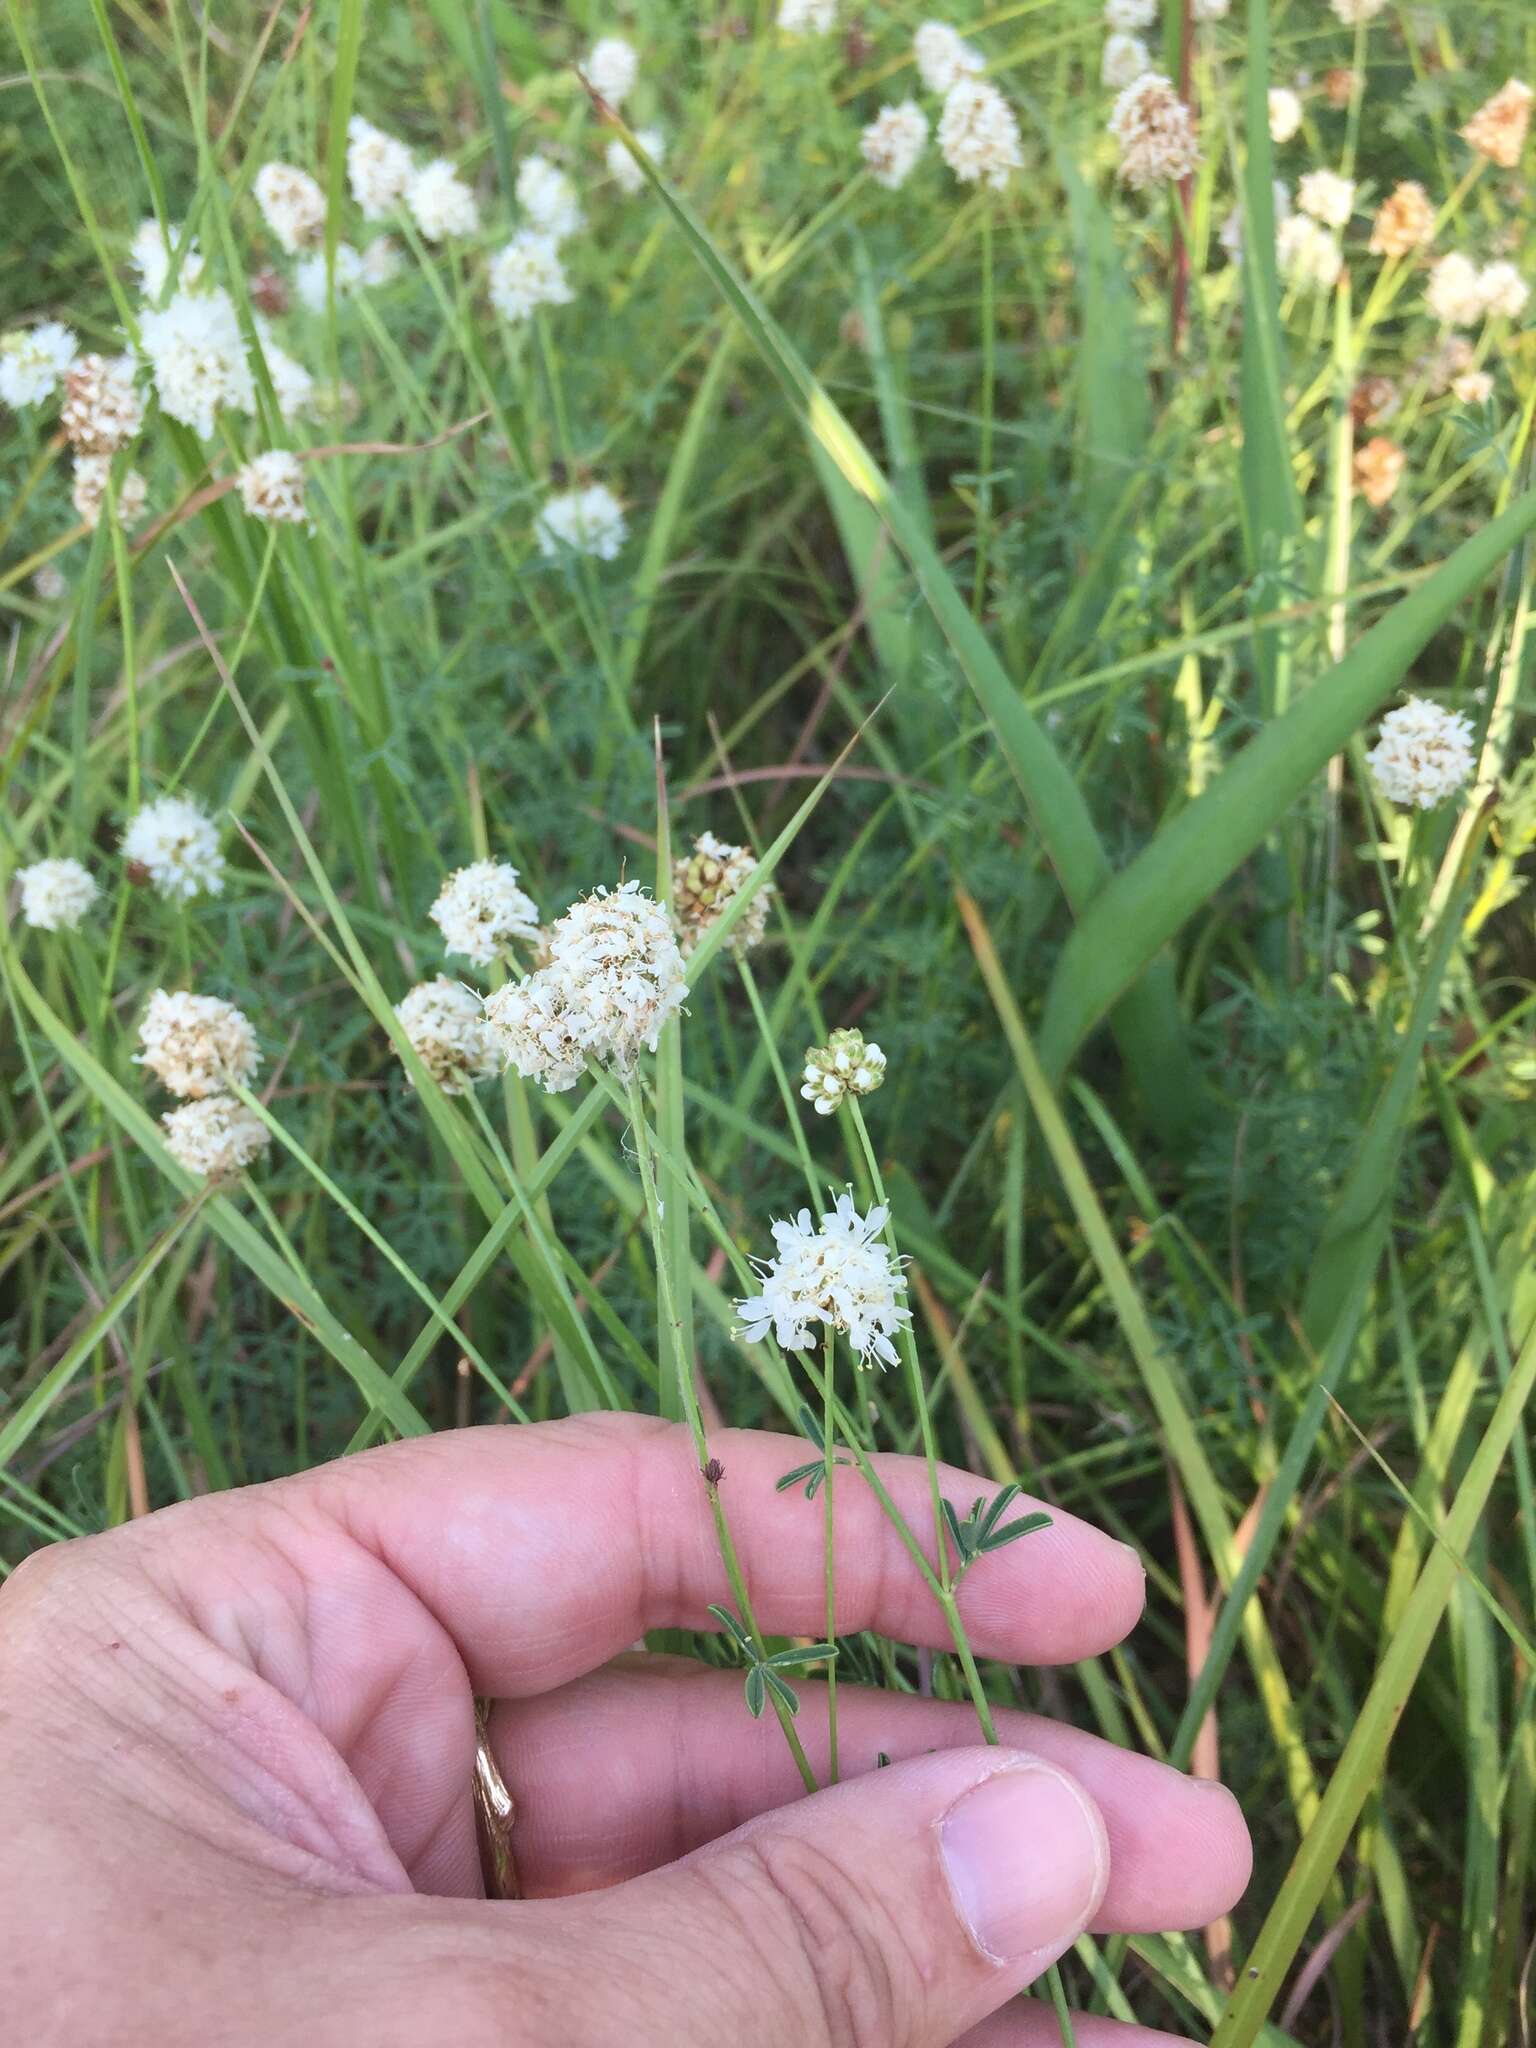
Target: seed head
x=1156, y=135
x=845, y=1065
x=1405, y=221
x=704, y=883
x=272, y=487
x=292, y=205
x=1499, y=127
x=101, y=411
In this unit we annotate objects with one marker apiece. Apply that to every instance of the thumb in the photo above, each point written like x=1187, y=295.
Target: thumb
x=893, y=1911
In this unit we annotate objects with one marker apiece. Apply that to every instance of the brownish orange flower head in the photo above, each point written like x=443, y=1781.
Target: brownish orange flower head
x=1379, y=469
x=1405, y=221
x=1498, y=129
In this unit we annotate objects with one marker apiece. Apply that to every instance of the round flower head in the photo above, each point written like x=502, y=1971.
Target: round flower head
x=1405, y=221
x=589, y=522
x=615, y=952
x=1212, y=10
x=528, y=273
x=1423, y=754
x=197, y=358
x=1308, y=255
x=944, y=57
x=56, y=894
x=1327, y=197
x=1379, y=467
x=1473, y=387
x=196, y=1045
x=1373, y=400
x=50, y=583
x=1125, y=59
x=1449, y=361
x=539, y=1027
x=1284, y=113
x=33, y=361
x=846, y=1065
x=1125, y=15
x=480, y=910
x=840, y=1275
x=978, y=135
x=446, y=1026
x=1502, y=290
x=272, y=487
x=441, y=203
x=548, y=198
x=216, y=1137
x=101, y=411
x=1355, y=12
x=623, y=169
x=89, y=496
x=309, y=277
x=1453, y=293
x=1155, y=133
x=1499, y=127
x=292, y=205
x=807, y=17
x=379, y=168
x=704, y=884
x=176, y=845
x=150, y=255
x=611, y=69
x=381, y=260
x=893, y=142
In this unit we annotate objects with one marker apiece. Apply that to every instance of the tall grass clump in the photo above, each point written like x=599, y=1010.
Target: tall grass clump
x=829, y=737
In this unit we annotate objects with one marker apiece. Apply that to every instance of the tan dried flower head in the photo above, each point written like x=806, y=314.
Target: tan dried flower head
x=101, y=410
x=1499, y=127
x=1373, y=400
x=1379, y=467
x=269, y=291
x=703, y=884
x=90, y=493
x=445, y=1023
x=196, y=1045
x=272, y=487
x=1339, y=86
x=1156, y=135
x=1405, y=221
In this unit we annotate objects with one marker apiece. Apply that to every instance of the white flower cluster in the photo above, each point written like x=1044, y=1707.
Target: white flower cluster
x=807, y=17
x=33, y=362
x=197, y=358
x=1157, y=138
x=1308, y=254
x=440, y=201
x=379, y=168
x=1125, y=15
x=1459, y=294
x=623, y=169
x=1284, y=113
x=944, y=57
x=215, y=1137
x=893, y=142
x=272, y=487
x=292, y=205
x=1353, y=13
x=1326, y=197
x=528, y=273
x=292, y=385
x=612, y=68
x=548, y=198
x=1423, y=753
x=150, y=254
x=704, y=885
x=480, y=910
x=196, y=1045
x=449, y=1034
x=613, y=978
x=377, y=264
x=978, y=135
x=847, y=1064
x=176, y=845
x=841, y=1276
x=587, y=522
x=56, y=894
x=1125, y=58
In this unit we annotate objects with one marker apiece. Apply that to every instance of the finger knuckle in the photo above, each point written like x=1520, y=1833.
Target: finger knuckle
x=831, y=1940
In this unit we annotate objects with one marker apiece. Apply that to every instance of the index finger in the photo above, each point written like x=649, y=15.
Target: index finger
x=545, y=1549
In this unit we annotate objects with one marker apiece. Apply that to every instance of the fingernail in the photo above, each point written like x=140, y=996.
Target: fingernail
x=1026, y=1858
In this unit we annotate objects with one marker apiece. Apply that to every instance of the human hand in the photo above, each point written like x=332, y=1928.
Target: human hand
x=237, y=1740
